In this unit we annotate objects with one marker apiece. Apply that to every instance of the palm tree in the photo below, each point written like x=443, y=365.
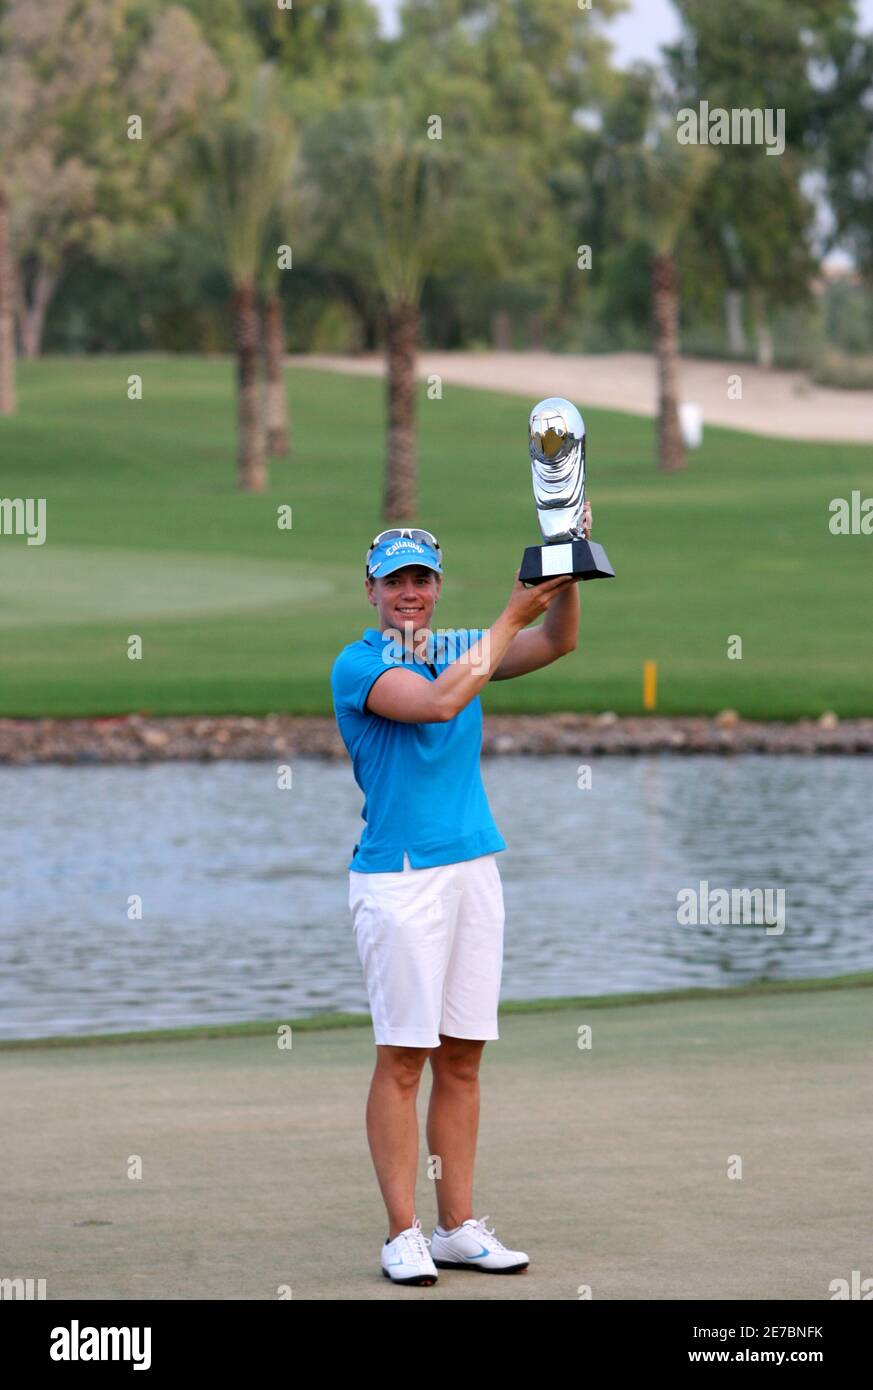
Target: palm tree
x=275, y=401
x=288, y=213
x=16, y=96
x=652, y=184
x=7, y=313
x=665, y=319
x=404, y=222
x=388, y=229
x=244, y=157
x=661, y=182
x=672, y=178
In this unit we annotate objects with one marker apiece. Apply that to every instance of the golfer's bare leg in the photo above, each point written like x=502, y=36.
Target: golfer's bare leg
x=453, y=1125
x=392, y=1129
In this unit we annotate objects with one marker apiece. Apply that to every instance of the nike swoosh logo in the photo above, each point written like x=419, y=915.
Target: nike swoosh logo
x=482, y=1252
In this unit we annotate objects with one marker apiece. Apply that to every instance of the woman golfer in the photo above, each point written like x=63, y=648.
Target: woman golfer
x=424, y=887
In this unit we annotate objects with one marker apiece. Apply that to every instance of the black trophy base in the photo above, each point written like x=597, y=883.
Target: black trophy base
x=582, y=559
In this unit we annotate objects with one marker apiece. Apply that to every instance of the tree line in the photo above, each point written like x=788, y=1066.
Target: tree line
x=489, y=163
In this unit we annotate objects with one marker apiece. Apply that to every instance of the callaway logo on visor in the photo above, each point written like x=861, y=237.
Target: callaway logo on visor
x=399, y=545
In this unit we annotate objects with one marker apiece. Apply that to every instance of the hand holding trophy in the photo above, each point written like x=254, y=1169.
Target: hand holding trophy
x=557, y=453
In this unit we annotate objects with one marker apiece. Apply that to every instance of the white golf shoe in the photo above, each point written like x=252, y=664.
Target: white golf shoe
x=473, y=1246
x=406, y=1259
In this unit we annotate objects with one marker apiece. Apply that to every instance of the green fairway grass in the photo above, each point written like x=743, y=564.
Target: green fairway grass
x=147, y=534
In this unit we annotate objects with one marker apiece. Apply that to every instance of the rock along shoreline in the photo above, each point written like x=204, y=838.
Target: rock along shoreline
x=140, y=738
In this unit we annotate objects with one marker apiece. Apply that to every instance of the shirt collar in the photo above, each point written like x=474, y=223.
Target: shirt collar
x=374, y=637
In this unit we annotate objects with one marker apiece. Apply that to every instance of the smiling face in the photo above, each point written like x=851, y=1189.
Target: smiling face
x=405, y=597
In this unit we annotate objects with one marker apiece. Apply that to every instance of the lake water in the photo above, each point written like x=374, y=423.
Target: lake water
x=244, y=886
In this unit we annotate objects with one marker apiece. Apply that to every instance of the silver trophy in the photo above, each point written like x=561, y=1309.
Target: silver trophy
x=557, y=460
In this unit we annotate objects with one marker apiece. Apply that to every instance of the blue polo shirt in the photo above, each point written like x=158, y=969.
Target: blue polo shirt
x=422, y=783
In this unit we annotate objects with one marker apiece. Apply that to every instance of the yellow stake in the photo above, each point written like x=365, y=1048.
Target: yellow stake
x=650, y=684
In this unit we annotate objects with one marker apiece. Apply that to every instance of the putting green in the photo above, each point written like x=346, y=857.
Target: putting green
x=79, y=585
x=608, y=1166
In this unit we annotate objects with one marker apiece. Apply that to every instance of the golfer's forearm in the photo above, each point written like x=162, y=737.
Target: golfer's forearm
x=561, y=623
x=462, y=681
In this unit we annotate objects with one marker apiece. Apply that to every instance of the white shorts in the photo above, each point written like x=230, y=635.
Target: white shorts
x=430, y=942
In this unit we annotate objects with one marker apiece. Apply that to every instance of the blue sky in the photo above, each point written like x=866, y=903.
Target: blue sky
x=637, y=34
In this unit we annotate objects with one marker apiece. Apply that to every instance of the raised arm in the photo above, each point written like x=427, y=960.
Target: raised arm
x=540, y=646
x=556, y=635
x=403, y=695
